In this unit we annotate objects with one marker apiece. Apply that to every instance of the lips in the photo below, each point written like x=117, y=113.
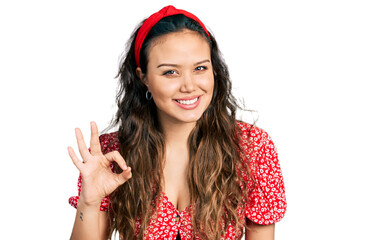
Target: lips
x=188, y=103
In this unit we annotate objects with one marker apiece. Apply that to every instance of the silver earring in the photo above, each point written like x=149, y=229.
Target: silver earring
x=148, y=97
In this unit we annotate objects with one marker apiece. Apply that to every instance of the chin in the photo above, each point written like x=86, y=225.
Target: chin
x=192, y=117
x=189, y=120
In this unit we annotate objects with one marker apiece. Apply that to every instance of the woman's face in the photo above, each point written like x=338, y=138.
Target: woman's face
x=180, y=76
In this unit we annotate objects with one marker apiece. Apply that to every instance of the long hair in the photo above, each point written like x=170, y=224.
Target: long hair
x=214, y=150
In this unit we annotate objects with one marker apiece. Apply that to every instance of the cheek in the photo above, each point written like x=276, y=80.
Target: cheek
x=163, y=90
x=208, y=84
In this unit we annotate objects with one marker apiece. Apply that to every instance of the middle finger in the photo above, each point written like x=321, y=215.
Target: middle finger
x=95, y=146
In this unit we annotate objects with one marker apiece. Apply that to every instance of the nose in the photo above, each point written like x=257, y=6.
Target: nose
x=188, y=83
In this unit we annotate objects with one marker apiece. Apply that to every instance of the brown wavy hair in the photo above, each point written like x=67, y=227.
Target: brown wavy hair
x=214, y=148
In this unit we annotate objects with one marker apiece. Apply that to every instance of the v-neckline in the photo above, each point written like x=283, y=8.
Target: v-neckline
x=172, y=205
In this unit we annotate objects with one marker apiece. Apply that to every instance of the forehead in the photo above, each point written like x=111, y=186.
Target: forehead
x=182, y=46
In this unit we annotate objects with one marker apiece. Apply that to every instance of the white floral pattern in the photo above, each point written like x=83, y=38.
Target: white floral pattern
x=265, y=203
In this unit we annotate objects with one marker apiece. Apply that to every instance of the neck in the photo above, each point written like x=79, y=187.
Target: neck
x=177, y=134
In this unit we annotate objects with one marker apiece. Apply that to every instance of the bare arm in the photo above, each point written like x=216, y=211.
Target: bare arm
x=90, y=223
x=259, y=232
x=98, y=181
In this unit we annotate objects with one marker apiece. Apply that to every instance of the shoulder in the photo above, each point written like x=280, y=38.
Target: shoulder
x=266, y=202
x=256, y=145
x=253, y=136
x=109, y=142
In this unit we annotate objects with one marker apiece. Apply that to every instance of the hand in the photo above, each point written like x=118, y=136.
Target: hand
x=98, y=180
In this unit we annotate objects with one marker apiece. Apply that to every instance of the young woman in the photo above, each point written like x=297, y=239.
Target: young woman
x=197, y=172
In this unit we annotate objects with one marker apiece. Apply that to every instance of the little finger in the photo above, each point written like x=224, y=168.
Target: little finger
x=75, y=159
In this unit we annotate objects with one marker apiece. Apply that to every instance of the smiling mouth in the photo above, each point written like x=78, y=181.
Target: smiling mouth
x=187, y=102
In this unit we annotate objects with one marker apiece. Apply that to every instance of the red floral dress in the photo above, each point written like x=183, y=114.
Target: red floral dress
x=266, y=203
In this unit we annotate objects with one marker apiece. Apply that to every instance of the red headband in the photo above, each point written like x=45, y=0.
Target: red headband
x=153, y=19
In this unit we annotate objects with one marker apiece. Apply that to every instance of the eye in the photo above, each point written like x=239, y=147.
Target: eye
x=200, y=68
x=170, y=72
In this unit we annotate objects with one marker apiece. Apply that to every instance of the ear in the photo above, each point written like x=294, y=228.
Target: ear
x=141, y=76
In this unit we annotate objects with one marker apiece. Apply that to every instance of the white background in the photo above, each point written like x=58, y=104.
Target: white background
x=308, y=67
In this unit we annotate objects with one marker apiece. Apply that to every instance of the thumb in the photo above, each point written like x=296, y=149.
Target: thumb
x=124, y=176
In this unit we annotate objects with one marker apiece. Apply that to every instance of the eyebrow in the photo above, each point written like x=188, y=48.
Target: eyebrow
x=177, y=65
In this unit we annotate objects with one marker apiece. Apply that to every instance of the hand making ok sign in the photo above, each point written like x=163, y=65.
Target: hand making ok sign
x=98, y=180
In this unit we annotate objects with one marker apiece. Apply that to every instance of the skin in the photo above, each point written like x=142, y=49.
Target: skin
x=179, y=67
x=259, y=232
x=97, y=181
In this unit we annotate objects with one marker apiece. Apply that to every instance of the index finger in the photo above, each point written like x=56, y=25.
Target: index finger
x=95, y=146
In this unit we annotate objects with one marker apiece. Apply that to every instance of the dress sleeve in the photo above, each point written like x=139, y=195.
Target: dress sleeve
x=266, y=203
x=108, y=143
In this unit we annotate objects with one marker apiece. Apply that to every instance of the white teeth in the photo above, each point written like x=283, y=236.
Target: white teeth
x=188, y=102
